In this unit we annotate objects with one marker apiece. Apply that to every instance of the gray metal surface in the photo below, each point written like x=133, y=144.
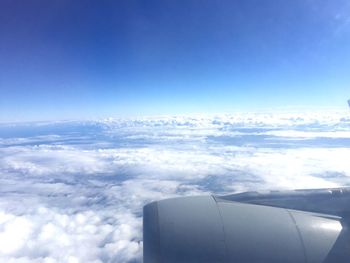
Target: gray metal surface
x=260, y=234
x=189, y=231
x=250, y=227
x=318, y=234
x=328, y=201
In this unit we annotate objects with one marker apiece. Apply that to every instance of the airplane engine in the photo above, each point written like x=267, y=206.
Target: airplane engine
x=213, y=229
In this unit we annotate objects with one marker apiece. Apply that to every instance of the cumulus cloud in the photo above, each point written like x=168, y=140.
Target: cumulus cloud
x=74, y=191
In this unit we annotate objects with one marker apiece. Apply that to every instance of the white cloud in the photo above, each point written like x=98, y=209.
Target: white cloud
x=78, y=197
x=309, y=134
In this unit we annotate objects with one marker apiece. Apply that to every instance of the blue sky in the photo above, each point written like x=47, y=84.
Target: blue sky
x=81, y=59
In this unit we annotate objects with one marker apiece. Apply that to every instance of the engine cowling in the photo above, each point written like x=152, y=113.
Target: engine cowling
x=208, y=229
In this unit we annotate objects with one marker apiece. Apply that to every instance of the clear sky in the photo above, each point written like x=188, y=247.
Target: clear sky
x=79, y=59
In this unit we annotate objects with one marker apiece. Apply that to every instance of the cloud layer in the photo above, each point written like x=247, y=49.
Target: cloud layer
x=74, y=191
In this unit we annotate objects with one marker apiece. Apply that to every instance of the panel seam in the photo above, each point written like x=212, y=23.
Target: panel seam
x=299, y=234
x=223, y=228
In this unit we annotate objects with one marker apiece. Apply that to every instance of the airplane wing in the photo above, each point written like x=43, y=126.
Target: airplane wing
x=288, y=226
